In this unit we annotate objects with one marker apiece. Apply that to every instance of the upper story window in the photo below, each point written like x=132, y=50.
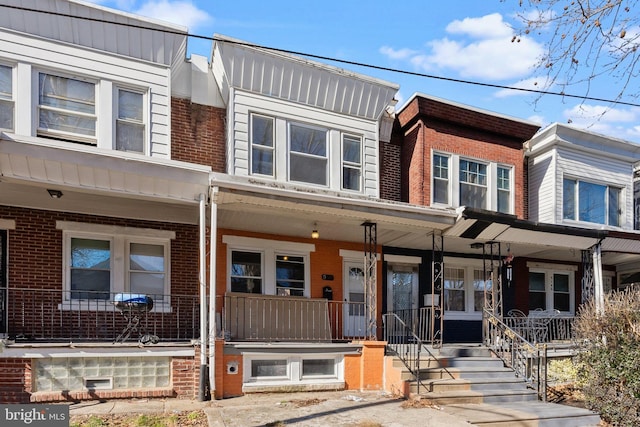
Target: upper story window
x=308, y=154
x=351, y=162
x=262, y=148
x=473, y=184
x=6, y=97
x=458, y=181
x=130, y=129
x=591, y=202
x=67, y=108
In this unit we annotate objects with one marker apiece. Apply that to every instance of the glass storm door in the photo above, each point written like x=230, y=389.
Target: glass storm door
x=354, y=307
x=402, y=293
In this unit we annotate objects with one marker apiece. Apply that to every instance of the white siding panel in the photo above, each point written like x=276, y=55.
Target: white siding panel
x=541, y=189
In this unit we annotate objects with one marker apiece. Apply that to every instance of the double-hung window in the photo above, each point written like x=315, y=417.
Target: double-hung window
x=103, y=260
x=246, y=272
x=290, y=277
x=308, y=154
x=504, y=189
x=67, y=108
x=6, y=97
x=130, y=128
x=441, y=179
x=262, y=148
x=591, y=202
x=464, y=288
x=473, y=184
x=351, y=162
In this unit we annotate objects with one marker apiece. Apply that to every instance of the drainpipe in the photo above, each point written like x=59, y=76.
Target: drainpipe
x=213, y=326
x=202, y=393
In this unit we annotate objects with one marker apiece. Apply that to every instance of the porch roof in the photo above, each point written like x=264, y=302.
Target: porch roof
x=97, y=181
x=293, y=211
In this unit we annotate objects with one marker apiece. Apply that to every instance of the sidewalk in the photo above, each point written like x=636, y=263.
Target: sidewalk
x=343, y=408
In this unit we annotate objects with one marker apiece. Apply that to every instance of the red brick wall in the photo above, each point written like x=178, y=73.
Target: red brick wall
x=390, y=171
x=15, y=380
x=198, y=134
x=185, y=372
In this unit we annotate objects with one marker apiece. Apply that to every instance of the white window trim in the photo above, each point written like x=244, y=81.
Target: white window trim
x=270, y=249
x=549, y=270
x=14, y=85
x=146, y=150
x=119, y=238
x=274, y=166
x=294, y=370
x=621, y=201
x=469, y=265
x=350, y=165
x=454, y=180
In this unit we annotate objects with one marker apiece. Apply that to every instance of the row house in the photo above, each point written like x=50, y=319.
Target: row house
x=257, y=221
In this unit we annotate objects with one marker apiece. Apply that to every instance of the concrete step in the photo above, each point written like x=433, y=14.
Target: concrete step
x=476, y=384
x=524, y=414
x=462, y=350
x=494, y=396
x=467, y=372
x=463, y=362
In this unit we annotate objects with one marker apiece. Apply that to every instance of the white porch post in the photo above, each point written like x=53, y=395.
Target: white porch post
x=213, y=326
x=597, y=278
x=203, y=298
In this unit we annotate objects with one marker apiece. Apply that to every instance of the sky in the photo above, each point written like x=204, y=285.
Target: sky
x=468, y=40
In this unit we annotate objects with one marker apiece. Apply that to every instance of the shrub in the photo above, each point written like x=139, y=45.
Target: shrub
x=608, y=370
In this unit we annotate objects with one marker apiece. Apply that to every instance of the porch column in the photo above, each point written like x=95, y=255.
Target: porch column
x=213, y=252
x=597, y=278
x=592, y=285
x=437, y=287
x=370, y=277
x=202, y=391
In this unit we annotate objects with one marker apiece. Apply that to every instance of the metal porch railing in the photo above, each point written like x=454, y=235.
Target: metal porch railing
x=54, y=315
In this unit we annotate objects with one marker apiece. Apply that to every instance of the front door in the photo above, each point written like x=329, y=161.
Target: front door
x=3, y=283
x=354, y=307
x=402, y=293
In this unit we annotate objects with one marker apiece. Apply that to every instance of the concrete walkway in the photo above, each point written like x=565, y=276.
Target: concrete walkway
x=343, y=408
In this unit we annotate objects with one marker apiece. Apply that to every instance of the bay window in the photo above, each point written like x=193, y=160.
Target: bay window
x=591, y=202
x=67, y=108
x=6, y=97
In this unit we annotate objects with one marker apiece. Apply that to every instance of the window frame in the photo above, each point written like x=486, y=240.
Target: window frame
x=261, y=273
x=165, y=244
x=447, y=180
x=549, y=271
x=509, y=191
x=469, y=267
x=326, y=158
x=143, y=122
x=261, y=147
x=60, y=134
x=485, y=201
x=270, y=249
x=294, y=367
x=10, y=98
x=574, y=215
x=120, y=238
x=346, y=164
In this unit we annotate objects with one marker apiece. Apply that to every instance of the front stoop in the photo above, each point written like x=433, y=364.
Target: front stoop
x=471, y=383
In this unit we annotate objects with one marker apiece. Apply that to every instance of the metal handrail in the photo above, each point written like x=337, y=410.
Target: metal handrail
x=528, y=360
x=407, y=346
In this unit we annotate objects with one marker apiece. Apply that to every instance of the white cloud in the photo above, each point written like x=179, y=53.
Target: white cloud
x=182, y=12
x=605, y=120
x=397, y=54
x=537, y=118
x=533, y=83
x=476, y=48
x=484, y=27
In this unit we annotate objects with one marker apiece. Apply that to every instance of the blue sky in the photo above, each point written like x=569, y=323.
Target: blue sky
x=459, y=39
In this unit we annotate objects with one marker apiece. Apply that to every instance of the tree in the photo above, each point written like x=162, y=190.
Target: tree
x=588, y=39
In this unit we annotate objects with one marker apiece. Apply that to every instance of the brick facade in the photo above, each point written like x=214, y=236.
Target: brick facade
x=390, y=170
x=198, y=134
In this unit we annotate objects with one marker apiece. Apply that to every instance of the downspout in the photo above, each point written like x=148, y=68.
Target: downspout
x=202, y=392
x=213, y=252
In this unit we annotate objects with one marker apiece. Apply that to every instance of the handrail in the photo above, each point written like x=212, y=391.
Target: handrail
x=529, y=361
x=407, y=346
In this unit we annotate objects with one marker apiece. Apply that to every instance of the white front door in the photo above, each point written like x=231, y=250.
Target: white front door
x=354, y=307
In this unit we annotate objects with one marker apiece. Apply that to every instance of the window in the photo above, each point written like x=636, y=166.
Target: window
x=473, y=184
x=551, y=287
x=504, y=189
x=351, y=162
x=440, y=179
x=454, y=292
x=318, y=368
x=67, y=108
x=269, y=369
x=269, y=267
x=479, y=286
x=246, y=272
x=464, y=288
x=90, y=269
x=262, y=148
x=6, y=97
x=290, y=275
x=103, y=260
x=130, y=130
x=274, y=368
x=308, y=154
x=591, y=202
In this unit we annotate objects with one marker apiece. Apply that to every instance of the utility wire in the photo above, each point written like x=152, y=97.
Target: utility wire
x=327, y=58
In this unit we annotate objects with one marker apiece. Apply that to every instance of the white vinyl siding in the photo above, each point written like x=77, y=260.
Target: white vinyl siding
x=285, y=113
x=33, y=56
x=542, y=189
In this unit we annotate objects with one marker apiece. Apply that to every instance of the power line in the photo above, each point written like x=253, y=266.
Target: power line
x=327, y=58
